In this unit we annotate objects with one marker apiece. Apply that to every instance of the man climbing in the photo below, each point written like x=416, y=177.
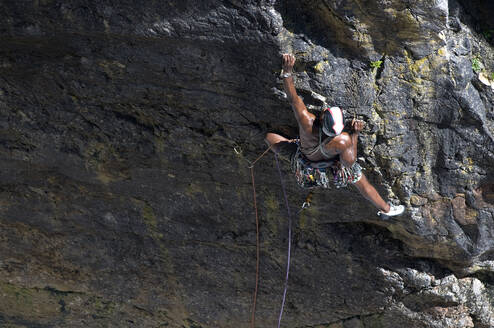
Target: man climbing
x=323, y=140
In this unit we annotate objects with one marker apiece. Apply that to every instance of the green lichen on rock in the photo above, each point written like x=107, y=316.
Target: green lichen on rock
x=32, y=304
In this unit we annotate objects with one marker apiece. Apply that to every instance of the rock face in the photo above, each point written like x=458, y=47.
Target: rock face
x=127, y=130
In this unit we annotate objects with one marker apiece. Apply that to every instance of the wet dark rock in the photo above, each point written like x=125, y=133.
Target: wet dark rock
x=126, y=133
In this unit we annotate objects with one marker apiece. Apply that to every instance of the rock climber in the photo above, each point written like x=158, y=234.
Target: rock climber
x=324, y=140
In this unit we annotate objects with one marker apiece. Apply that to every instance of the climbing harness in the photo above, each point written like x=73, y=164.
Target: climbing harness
x=311, y=175
x=343, y=176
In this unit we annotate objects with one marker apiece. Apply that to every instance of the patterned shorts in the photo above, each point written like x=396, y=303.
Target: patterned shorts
x=311, y=175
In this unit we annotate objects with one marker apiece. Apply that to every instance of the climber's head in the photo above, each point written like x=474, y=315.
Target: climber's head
x=333, y=121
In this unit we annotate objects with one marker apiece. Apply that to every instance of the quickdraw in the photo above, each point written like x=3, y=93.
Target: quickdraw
x=311, y=175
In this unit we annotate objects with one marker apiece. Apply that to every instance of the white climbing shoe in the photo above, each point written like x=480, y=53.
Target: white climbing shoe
x=394, y=210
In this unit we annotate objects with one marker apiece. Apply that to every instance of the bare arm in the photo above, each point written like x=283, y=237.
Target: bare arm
x=302, y=115
x=349, y=154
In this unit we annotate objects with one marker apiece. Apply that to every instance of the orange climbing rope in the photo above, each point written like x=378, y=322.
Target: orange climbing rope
x=253, y=319
x=251, y=166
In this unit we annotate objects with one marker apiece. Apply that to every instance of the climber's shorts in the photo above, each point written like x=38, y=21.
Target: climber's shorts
x=305, y=171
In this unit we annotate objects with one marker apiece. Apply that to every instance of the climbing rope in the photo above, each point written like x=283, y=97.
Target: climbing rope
x=251, y=166
x=305, y=205
x=253, y=317
x=289, y=238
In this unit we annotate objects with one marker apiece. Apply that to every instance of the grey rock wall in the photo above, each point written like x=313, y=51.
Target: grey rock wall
x=125, y=134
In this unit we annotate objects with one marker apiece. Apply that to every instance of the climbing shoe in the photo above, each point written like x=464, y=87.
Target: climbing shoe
x=394, y=210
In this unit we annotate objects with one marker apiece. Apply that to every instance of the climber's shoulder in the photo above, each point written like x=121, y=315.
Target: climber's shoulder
x=340, y=142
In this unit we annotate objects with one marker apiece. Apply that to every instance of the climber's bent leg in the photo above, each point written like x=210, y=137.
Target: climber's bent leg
x=282, y=146
x=275, y=140
x=370, y=193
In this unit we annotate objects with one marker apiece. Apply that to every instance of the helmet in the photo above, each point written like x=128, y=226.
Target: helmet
x=333, y=121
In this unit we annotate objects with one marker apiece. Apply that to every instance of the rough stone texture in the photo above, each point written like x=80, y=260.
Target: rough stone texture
x=124, y=204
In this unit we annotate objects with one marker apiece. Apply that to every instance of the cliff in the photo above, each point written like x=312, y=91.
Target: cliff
x=126, y=131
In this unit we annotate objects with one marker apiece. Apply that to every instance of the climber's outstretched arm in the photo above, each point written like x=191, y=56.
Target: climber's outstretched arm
x=303, y=116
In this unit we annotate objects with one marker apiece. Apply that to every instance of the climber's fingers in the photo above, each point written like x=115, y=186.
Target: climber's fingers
x=288, y=61
x=358, y=125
